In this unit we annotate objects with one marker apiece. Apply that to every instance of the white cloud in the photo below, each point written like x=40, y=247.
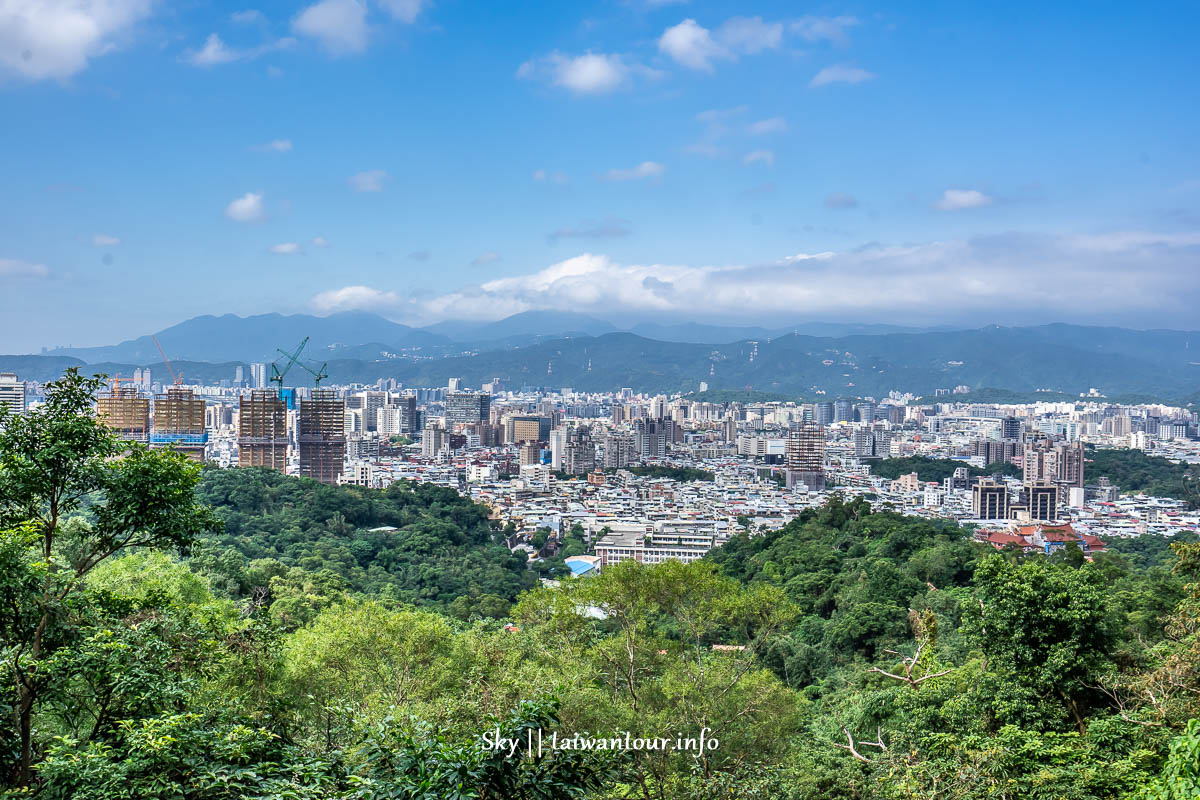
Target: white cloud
x=553, y=177
x=405, y=11
x=354, y=298
x=839, y=73
x=339, y=26
x=830, y=29
x=978, y=275
x=250, y=16
x=216, y=52
x=55, y=39
x=16, y=268
x=104, y=240
x=764, y=126
x=485, y=258
x=247, y=208
x=590, y=73
x=369, y=181
x=276, y=146
x=957, y=199
x=320, y=241
x=691, y=45
x=841, y=200
x=750, y=35
x=694, y=46
x=285, y=248
x=759, y=157
x=646, y=169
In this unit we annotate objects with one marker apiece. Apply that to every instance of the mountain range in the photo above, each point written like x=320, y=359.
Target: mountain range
x=366, y=336
x=566, y=349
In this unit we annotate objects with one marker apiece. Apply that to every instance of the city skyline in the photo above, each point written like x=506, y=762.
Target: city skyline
x=631, y=160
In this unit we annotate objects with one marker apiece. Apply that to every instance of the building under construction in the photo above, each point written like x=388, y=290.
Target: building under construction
x=179, y=422
x=322, y=435
x=125, y=411
x=262, y=430
x=806, y=455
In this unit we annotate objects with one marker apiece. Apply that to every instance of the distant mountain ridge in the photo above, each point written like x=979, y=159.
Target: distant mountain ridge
x=232, y=338
x=1062, y=358
x=364, y=335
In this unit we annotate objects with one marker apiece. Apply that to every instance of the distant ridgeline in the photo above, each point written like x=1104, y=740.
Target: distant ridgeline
x=1064, y=359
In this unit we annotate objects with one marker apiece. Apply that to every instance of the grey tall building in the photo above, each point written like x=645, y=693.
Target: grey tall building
x=806, y=456
x=825, y=414
x=843, y=411
x=989, y=500
x=467, y=408
x=12, y=392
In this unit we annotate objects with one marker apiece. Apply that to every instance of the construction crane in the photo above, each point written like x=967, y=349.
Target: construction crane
x=277, y=374
x=319, y=374
x=178, y=379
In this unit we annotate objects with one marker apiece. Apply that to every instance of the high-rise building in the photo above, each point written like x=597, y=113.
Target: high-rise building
x=1042, y=498
x=530, y=453
x=262, y=430
x=1010, y=428
x=579, y=456
x=518, y=430
x=652, y=437
x=843, y=411
x=372, y=402
x=12, y=393
x=179, y=422
x=989, y=500
x=805, y=456
x=993, y=452
x=868, y=444
x=321, y=435
x=1061, y=463
x=467, y=408
x=239, y=375
x=865, y=412
x=824, y=414
x=407, y=404
x=258, y=375
x=619, y=451
x=433, y=441
x=453, y=385
x=127, y=412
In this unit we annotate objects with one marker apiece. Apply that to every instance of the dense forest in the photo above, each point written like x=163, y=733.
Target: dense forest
x=297, y=543
x=1134, y=471
x=168, y=632
x=683, y=474
x=938, y=469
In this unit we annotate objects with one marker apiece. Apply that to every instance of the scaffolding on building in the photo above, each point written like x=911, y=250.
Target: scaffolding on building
x=262, y=430
x=179, y=422
x=125, y=411
x=322, y=435
x=806, y=455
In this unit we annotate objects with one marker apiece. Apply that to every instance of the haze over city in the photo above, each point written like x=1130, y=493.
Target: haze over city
x=635, y=159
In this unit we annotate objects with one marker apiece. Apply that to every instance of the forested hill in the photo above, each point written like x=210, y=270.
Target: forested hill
x=1064, y=358
x=299, y=540
x=271, y=645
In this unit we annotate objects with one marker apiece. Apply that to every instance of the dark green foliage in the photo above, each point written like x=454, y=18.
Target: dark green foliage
x=855, y=574
x=443, y=546
x=1135, y=472
x=683, y=474
x=937, y=469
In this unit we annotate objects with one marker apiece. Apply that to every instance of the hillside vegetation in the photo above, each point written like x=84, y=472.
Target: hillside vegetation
x=851, y=654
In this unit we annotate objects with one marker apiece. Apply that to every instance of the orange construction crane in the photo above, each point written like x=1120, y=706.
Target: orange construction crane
x=178, y=379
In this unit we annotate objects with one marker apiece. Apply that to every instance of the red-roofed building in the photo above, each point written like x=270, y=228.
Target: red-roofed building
x=1041, y=538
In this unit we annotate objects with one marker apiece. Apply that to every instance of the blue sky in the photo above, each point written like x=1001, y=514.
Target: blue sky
x=758, y=162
